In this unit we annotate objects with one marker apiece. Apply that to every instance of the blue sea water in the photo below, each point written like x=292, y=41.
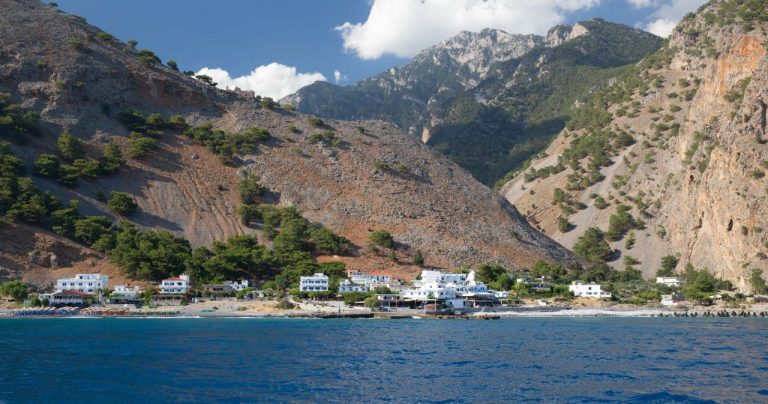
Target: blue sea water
x=281, y=360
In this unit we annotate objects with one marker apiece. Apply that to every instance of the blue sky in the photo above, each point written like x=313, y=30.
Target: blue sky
x=237, y=36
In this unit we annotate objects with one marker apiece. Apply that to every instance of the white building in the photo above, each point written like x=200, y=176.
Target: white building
x=672, y=300
x=348, y=287
x=430, y=276
x=591, y=290
x=315, y=283
x=370, y=280
x=450, y=286
x=86, y=283
x=127, y=290
x=237, y=286
x=669, y=281
x=424, y=294
x=180, y=285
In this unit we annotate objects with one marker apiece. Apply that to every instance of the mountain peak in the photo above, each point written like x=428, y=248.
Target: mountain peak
x=475, y=52
x=560, y=34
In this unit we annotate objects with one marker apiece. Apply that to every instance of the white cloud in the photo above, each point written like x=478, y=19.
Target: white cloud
x=643, y=3
x=661, y=27
x=273, y=80
x=404, y=27
x=667, y=14
x=339, y=77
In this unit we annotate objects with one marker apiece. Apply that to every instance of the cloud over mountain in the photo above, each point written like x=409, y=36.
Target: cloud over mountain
x=667, y=13
x=273, y=80
x=404, y=27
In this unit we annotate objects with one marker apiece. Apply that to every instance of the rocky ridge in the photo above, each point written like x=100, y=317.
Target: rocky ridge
x=694, y=175
x=487, y=100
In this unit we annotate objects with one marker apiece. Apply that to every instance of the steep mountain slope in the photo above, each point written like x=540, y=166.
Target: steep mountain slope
x=679, y=144
x=353, y=177
x=488, y=100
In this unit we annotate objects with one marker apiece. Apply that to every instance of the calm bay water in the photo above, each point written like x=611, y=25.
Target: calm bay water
x=271, y=360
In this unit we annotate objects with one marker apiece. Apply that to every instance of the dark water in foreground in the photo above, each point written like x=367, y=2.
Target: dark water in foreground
x=510, y=360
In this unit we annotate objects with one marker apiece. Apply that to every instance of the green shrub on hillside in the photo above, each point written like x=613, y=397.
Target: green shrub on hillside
x=592, y=246
x=147, y=56
x=382, y=238
x=620, y=223
x=226, y=145
x=250, y=189
x=70, y=148
x=122, y=203
x=668, y=265
x=15, y=122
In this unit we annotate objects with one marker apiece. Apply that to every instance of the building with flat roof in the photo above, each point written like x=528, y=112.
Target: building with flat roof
x=346, y=286
x=178, y=285
x=591, y=290
x=126, y=294
x=674, y=299
x=69, y=298
x=315, y=283
x=86, y=283
x=669, y=281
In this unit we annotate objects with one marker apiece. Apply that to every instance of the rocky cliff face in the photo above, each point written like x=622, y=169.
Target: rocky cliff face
x=487, y=100
x=695, y=174
x=560, y=34
x=371, y=177
x=470, y=55
x=403, y=95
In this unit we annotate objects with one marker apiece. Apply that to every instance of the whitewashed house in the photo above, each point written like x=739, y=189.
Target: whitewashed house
x=431, y=292
x=238, y=286
x=451, y=287
x=430, y=276
x=669, y=281
x=347, y=286
x=179, y=285
x=591, y=290
x=86, y=283
x=674, y=299
x=127, y=291
x=372, y=281
x=315, y=283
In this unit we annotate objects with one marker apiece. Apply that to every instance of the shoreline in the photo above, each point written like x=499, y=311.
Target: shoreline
x=520, y=312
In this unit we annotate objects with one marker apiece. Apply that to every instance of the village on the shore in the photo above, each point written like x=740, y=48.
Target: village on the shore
x=432, y=293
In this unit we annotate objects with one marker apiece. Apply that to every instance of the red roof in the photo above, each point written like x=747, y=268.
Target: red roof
x=174, y=279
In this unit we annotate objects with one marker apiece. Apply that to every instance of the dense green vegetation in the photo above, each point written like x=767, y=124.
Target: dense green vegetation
x=16, y=290
x=700, y=285
x=15, y=122
x=757, y=282
x=668, y=266
x=495, y=276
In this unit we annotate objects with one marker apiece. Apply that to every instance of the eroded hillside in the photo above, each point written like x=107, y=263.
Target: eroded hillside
x=353, y=177
x=678, y=146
